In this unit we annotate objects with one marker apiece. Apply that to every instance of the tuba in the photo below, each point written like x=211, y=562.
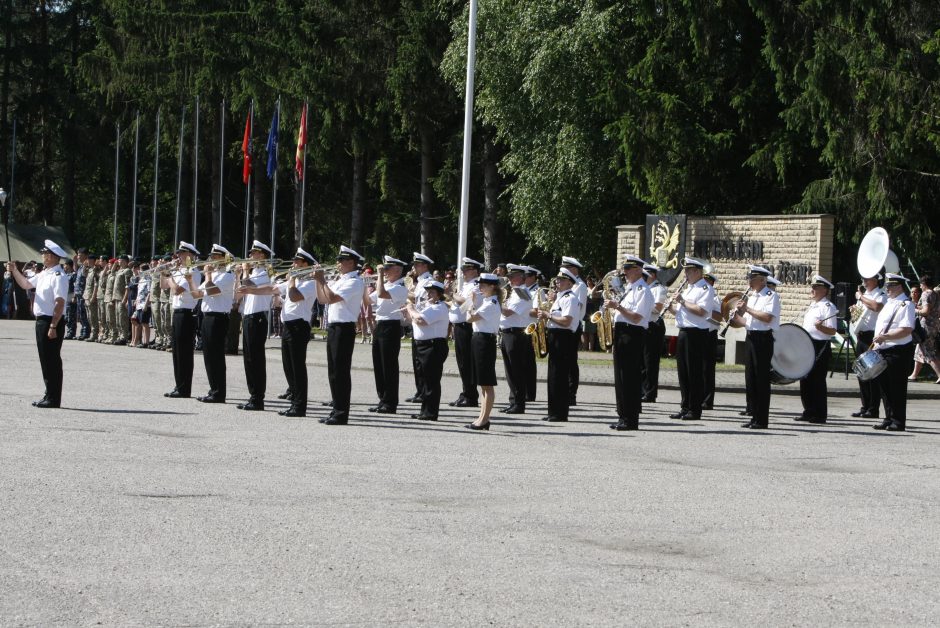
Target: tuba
x=873, y=253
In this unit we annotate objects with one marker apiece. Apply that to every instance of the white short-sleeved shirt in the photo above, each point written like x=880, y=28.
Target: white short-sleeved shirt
x=767, y=301
x=220, y=303
x=866, y=321
x=637, y=298
x=350, y=288
x=822, y=310
x=421, y=295
x=257, y=303
x=50, y=284
x=185, y=300
x=659, y=293
x=896, y=313
x=716, y=307
x=299, y=310
x=580, y=290
x=390, y=309
x=490, y=312
x=702, y=295
x=435, y=315
x=466, y=291
x=565, y=304
x=521, y=308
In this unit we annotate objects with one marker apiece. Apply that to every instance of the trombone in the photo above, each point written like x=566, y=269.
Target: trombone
x=295, y=273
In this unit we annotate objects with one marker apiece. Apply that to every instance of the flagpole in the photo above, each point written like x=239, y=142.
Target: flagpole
x=134, y=188
x=251, y=129
x=179, y=176
x=117, y=160
x=467, y=137
x=12, y=174
x=274, y=187
x=221, y=165
x=303, y=178
x=156, y=180
x=196, y=171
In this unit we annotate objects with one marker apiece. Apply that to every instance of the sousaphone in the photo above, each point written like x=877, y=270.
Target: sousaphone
x=874, y=253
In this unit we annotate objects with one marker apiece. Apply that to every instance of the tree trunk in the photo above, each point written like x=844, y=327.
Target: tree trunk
x=47, y=209
x=216, y=177
x=7, y=143
x=427, y=192
x=492, y=186
x=358, y=201
x=70, y=135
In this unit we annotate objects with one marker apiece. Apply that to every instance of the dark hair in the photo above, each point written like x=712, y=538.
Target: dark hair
x=927, y=281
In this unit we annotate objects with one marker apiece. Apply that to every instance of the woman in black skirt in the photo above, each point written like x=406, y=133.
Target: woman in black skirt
x=485, y=320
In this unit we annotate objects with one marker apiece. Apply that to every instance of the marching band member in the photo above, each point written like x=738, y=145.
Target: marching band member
x=692, y=309
x=630, y=319
x=873, y=300
x=463, y=332
x=181, y=283
x=217, y=293
x=711, y=346
x=298, y=296
x=515, y=346
x=256, y=295
x=655, y=333
x=421, y=269
x=52, y=288
x=893, y=341
x=389, y=298
x=580, y=289
x=759, y=315
x=343, y=298
x=562, y=323
x=532, y=275
x=485, y=320
x=430, y=338
x=817, y=321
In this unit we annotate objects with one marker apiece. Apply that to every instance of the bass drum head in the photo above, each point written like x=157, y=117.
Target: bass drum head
x=794, y=354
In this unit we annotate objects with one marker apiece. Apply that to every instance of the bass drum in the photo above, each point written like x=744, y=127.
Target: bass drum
x=794, y=354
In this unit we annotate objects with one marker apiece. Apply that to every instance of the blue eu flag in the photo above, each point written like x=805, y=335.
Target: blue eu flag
x=272, y=147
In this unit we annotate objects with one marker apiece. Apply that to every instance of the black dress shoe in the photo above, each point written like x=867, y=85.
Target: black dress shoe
x=39, y=401
x=337, y=420
x=415, y=398
x=869, y=415
x=881, y=426
x=623, y=426
x=465, y=403
x=385, y=410
x=816, y=421
x=748, y=424
x=862, y=412
x=555, y=419
x=452, y=403
x=648, y=399
x=293, y=413
x=688, y=416
x=745, y=413
x=894, y=427
x=757, y=426
x=286, y=395
x=678, y=415
x=427, y=417
x=513, y=410
x=802, y=417
x=175, y=394
x=374, y=409
x=48, y=403
x=210, y=399
x=485, y=427
x=251, y=405
x=708, y=407
x=327, y=403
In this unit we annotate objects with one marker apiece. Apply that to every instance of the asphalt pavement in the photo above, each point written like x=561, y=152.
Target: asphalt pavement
x=124, y=508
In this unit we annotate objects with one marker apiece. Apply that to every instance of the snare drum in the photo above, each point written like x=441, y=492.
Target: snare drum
x=869, y=365
x=794, y=354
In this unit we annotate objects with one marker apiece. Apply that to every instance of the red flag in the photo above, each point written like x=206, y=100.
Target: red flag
x=301, y=144
x=246, y=151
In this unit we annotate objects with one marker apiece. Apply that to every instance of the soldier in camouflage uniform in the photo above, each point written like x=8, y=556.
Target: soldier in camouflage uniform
x=90, y=296
x=110, y=327
x=103, y=302
x=119, y=290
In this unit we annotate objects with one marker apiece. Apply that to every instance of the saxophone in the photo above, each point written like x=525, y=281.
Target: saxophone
x=536, y=330
x=602, y=318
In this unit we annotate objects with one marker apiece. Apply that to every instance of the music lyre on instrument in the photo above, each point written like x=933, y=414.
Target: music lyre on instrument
x=732, y=313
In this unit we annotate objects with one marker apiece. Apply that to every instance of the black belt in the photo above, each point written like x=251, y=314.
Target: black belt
x=626, y=326
x=760, y=332
x=182, y=310
x=429, y=341
x=557, y=330
x=484, y=333
x=351, y=324
x=215, y=314
x=463, y=324
x=43, y=317
x=694, y=329
x=258, y=314
x=294, y=321
x=387, y=322
x=513, y=330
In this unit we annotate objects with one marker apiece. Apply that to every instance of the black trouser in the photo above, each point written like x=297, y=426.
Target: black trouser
x=231, y=338
x=652, y=352
x=83, y=317
x=295, y=335
x=71, y=317
x=708, y=367
x=198, y=323
x=531, y=371
x=574, y=373
x=214, y=333
x=758, y=351
x=561, y=356
x=340, y=342
x=513, y=347
x=813, y=387
x=463, y=332
x=254, y=335
x=629, y=341
x=184, y=333
x=386, y=345
x=870, y=389
x=690, y=349
x=431, y=354
x=50, y=356
x=893, y=382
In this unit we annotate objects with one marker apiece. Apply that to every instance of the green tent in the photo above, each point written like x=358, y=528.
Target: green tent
x=26, y=240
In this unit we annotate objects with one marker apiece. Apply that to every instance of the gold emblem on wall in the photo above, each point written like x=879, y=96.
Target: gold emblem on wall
x=664, y=247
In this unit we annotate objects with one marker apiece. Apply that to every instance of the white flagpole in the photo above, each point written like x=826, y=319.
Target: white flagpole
x=221, y=165
x=134, y=190
x=179, y=176
x=467, y=137
x=117, y=161
x=156, y=184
